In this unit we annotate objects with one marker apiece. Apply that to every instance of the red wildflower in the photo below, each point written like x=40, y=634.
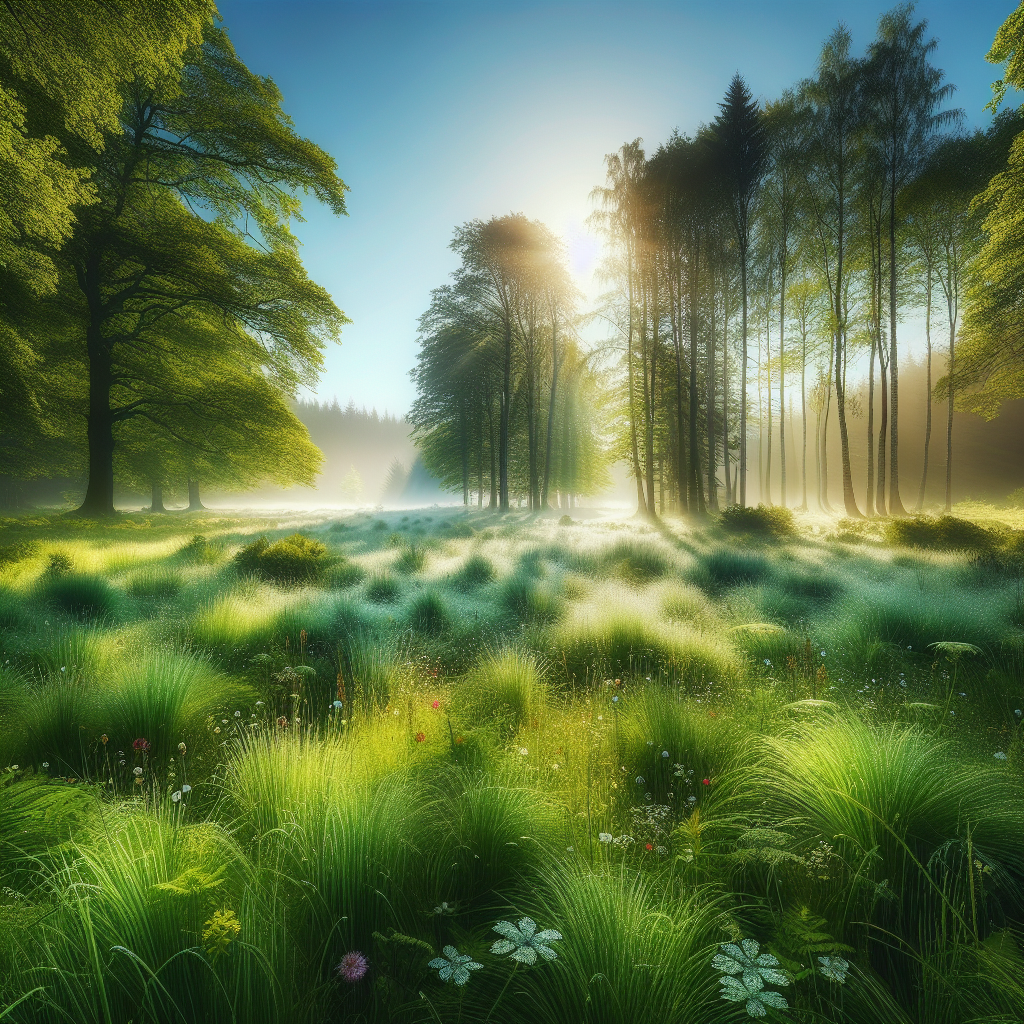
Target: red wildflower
x=141, y=745
x=458, y=739
x=648, y=847
x=707, y=782
x=436, y=704
x=282, y=722
x=420, y=737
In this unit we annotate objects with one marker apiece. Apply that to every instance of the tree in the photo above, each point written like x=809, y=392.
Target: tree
x=741, y=136
x=904, y=92
x=141, y=263
x=834, y=120
x=990, y=356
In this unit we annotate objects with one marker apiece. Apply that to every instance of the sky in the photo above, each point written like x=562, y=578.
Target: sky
x=440, y=112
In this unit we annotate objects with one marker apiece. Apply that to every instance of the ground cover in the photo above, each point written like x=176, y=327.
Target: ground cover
x=300, y=767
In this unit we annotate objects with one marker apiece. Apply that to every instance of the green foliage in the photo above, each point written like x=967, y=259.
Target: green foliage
x=764, y=520
x=943, y=533
x=504, y=689
x=382, y=588
x=295, y=559
x=475, y=572
x=636, y=562
x=79, y=595
x=727, y=567
x=429, y=613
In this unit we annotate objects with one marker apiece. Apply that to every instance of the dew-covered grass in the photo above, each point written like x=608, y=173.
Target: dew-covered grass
x=235, y=749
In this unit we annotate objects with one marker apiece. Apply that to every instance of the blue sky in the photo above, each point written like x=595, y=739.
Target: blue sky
x=439, y=112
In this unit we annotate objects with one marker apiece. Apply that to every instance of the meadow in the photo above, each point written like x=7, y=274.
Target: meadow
x=451, y=766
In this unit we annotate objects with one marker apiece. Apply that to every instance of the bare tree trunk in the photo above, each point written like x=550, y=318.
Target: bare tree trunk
x=883, y=387
x=869, y=498
x=194, y=504
x=743, y=382
x=725, y=405
x=551, y=406
x=712, y=454
x=157, y=502
x=782, y=383
x=928, y=391
x=641, y=504
x=949, y=419
x=895, y=504
x=803, y=420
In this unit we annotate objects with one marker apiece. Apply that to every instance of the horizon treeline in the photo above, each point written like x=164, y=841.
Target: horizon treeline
x=750, y=263
x=155, y=318
x=508, y=403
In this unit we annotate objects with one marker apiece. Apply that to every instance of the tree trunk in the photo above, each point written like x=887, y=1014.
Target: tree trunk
x=506, y=403
x=803, y=419
x=696, y=492
x=768, y=365
x=883, y=426
x=549, y=440
x=99, y=495
x=157, y=501
x=641, y=504
x=869, y=497
x=194, y=503
x=895, y=504
x=928, y=383
x=493, y=497
x=464, y=445
x=725, y=407
x=712, y=454
x=949, y=419
x=743, y=381
x=649, y=400
x=782, y=384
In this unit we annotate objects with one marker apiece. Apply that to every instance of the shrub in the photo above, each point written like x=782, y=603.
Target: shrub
x=621, y=642
x=429, y=614
x=59, y=564
x=726, y=567
x=765, y=520
x=199, y=551
x=945, y=533
x=295, y=559
x=411, y=560
x=635, y=562
x=88, y=597
x=504, y=689
x=528, y=600
x=565, y=521
x=476, y=571
x=382, y=588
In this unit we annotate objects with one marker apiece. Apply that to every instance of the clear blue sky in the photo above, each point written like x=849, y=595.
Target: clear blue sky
x=438, y=112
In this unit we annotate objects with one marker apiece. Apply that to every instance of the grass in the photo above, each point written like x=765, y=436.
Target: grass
x=234, y=749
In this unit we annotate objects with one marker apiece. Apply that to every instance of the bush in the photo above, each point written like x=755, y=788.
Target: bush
x=726, y=567
x=945, y=533
x=429, y=614
x=635, y=562
x=295, y=559
x=60, y=564
x=476, y=571
x=87, y=597
x=199, y=551
x=504, y=689
x=565, y=521
x=382, y=589
x=766, y=520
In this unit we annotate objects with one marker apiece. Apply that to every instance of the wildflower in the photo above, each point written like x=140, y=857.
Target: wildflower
x=648, y=847
x=615, y=699
x=353, y=967
x=823, y=654
x=604, y=837
x=182, y=748
x=834, y=968
x=282, y=723
x=259, y=703
x=176, y=795
x=46, y=764
x=691, y=799
x=999, y=755
x=453, y=966
x=459, y=740
x=136, y=771
x=444, y=909
x=104, y=739
x=523, y=942
x=141, y=745
x=223, y=721
x=186, y=788
x=661, y=850
x=436, y=704
x=707, y=782
x=420, y=737
x=618, y=682
x=664, y=753
x=640, y=780
x=523, y=752
x=767, y=662
x=337, y=704
x=217, y=729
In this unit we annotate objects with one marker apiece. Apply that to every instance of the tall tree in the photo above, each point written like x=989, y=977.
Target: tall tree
x=905, y=92
x=741, y=136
